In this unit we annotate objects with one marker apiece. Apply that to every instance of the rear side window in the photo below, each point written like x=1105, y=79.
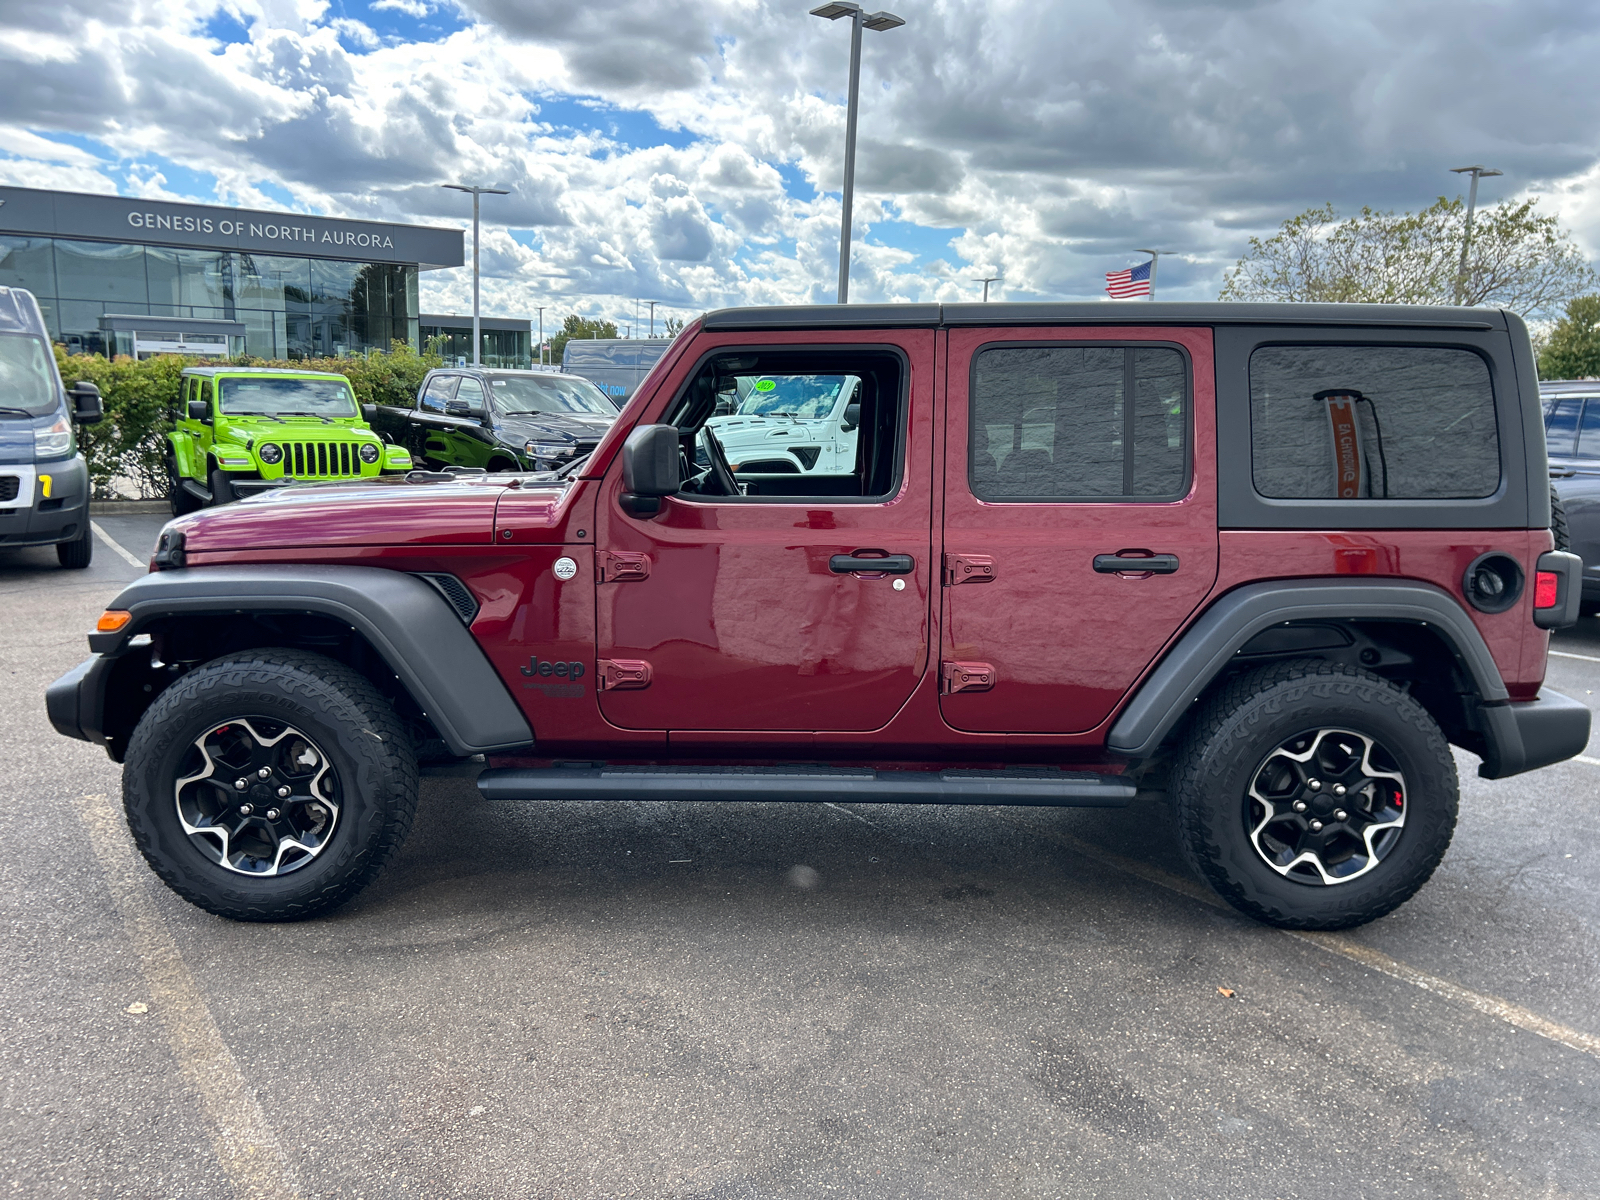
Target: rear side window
x=1589, y=431
x=1372, y=422
x=441, y=388
x=1079, y=423
x=1561, y=424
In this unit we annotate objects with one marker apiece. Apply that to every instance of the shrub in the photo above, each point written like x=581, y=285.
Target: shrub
x=127, y=451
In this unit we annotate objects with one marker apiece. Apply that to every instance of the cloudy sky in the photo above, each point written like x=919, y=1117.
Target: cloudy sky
x=690, y=151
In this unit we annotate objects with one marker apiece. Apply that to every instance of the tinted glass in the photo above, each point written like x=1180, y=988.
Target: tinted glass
x=440, y=388
x=27, y=375
x=1589, y=431
x=1360, y=422
x=1561, y=425
x=288, y=397
x=101, y=271
x=1053, y=423
x=554, y=393
x=470, y=393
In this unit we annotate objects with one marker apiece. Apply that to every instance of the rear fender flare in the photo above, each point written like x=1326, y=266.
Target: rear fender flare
x=406, y=620
x=1206, y=648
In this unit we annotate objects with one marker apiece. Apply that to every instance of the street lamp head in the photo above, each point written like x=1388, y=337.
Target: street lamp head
x=882, y=20
x=481, y=191
x=832, y=12
x=1481, y=172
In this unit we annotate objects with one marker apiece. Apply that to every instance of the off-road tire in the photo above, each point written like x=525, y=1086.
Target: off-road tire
x=79, y=552
x=1558, y=521
x=222, y=488
x=1253, y=713
x=340, y=710
x=180, y=501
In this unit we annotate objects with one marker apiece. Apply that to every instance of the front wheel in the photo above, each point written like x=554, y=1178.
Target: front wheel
x=270, y=785
x=1314, y=796
x=79, y=552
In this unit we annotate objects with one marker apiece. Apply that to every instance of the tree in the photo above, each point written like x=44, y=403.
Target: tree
x=578, y=327
x=1519, y=259
x=1572, y=351
x=674, y=326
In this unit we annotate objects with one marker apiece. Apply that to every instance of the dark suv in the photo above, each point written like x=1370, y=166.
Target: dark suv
x=1572, y=430
x=1273, y=559
x=501, y=420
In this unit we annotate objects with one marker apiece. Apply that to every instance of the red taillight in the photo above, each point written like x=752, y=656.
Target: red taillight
x=1546, y=585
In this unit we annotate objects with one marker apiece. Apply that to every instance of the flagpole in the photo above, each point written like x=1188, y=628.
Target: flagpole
x=1155, y=256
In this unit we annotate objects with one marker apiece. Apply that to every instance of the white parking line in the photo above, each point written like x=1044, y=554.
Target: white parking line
x=244, y=1143
x=1346, y=947
x=117, y=548
x=1570, y=654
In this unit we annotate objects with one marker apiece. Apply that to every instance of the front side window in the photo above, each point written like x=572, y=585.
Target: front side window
x=470, y=393
x=1372, y=422
x=1079, y=423
x=247, y=397
x=27, y=375
x=531, y=395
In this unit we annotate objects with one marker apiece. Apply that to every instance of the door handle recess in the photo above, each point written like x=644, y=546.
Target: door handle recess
x=1151, y=564
x=888, y=564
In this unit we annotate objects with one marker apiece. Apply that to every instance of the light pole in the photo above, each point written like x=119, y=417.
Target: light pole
x=477, y=335
x=541, y=337
x=1155, y=256
x=652, y=304
x=986, y=282
x=858, y=20
x=1477, y=173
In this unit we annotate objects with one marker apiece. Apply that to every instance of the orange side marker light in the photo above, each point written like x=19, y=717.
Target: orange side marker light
x=112, y=620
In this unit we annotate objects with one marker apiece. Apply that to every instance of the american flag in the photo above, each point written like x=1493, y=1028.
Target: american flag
x=1135, y=281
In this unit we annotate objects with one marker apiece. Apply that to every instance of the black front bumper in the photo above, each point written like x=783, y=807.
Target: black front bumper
x=41, y=521
x=76, y=703
x=1527, y=735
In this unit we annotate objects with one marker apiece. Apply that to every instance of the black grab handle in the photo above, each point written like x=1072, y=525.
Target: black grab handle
x=1155, y=564
x=889, y=564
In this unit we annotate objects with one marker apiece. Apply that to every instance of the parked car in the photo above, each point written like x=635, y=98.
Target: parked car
x=243, y=430
x=793, y=425
x=502, y=420
x=617, y=366
x=44, y=482
x=1273, y=558
x=1572, y=433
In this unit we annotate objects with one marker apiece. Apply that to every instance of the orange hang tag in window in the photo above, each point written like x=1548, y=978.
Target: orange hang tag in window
x=1346, y=441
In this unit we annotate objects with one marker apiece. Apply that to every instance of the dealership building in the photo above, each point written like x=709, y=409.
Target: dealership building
x=212, y=280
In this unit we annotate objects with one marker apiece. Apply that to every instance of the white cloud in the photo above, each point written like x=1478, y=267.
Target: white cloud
x=411, y=8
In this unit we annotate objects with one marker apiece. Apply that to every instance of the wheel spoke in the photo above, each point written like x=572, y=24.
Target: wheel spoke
x=257, y=798
x=1324, y=807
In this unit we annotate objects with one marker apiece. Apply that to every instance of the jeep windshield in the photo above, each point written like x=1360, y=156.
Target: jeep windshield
x=807, y=397
x=27, y=376
x=287, y=398
x=530, y=395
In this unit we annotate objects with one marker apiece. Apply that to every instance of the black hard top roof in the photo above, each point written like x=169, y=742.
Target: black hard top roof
x=901, y=316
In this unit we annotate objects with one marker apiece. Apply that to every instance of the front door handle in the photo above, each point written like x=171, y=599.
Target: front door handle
x=1145, y=564
x=888, y=564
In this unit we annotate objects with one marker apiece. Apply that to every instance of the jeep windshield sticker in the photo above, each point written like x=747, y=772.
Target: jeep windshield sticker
x=244, y=396
x=765, y=385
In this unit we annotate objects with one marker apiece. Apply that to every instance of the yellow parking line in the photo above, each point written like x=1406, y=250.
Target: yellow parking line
x=1345, y=947
x=242, y=1140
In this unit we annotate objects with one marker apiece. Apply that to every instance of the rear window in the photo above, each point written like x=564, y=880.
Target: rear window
x=1372, y=422
x=1054, y=423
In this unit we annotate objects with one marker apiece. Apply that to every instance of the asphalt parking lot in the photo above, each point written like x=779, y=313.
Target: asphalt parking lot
x=565, y=1000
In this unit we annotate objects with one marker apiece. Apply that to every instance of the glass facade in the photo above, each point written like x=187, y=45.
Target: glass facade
x=292, y=307
x=508, y=349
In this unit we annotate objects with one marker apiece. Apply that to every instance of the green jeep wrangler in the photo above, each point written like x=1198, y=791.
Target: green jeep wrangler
x=247, y=429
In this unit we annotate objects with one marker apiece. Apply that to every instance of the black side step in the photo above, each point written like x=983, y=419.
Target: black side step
x=860, y=784
x=194, y=489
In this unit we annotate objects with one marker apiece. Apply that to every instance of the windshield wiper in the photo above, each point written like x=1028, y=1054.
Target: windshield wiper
x=16, y=412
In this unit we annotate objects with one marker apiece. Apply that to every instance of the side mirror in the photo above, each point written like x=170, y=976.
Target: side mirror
x=852, y=416
x=369, y=413
x=87, y=407
x=650, y=469
x=199, y=410
x=458, y=408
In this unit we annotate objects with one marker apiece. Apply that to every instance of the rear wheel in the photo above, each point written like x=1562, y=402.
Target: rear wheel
x=1314, y=796
x=79, y=552
x=269, y=786
x=178, y=497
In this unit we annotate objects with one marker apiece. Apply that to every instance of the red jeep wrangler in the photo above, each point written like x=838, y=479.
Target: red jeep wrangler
x=1274, y=558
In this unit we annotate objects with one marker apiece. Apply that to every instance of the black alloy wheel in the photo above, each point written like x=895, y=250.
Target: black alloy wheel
x=270, y=785
x=1313, y=795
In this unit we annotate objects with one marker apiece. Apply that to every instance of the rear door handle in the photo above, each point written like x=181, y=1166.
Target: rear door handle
x=1153, y=564
x=888, y=564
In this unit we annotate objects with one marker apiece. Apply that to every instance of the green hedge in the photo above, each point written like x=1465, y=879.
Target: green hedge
x=126, y=451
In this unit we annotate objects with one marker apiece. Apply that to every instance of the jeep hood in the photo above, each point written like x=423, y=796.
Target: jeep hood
x=388, y=511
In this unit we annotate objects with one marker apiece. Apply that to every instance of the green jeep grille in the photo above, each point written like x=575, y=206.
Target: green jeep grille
x=320, y=460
